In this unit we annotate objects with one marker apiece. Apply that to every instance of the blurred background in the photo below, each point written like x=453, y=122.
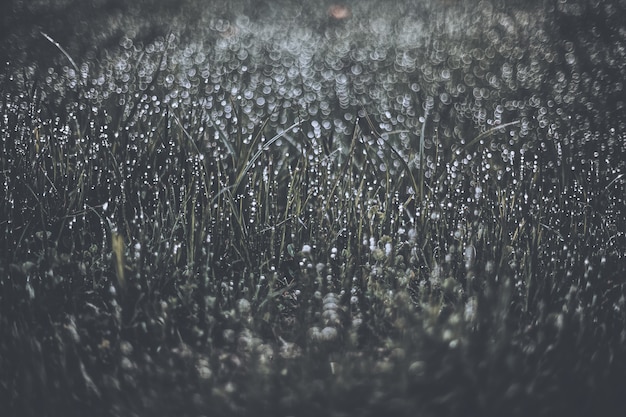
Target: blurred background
x=555, y=65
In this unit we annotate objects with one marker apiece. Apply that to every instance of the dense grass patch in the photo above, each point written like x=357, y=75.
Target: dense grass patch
x=176, y=243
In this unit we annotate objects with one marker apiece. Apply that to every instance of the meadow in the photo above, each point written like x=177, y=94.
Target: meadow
x=415, y=210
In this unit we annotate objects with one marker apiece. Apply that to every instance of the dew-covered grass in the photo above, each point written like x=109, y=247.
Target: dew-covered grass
x=415, y=210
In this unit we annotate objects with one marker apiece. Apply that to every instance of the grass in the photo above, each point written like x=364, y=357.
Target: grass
x=169, y=257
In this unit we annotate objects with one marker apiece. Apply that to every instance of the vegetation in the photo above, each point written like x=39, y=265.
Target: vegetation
x=173, y=248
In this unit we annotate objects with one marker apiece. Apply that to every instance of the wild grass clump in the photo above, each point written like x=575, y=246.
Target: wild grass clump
x=162, y=255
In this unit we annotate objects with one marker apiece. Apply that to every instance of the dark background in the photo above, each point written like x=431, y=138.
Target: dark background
x=90, y=26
